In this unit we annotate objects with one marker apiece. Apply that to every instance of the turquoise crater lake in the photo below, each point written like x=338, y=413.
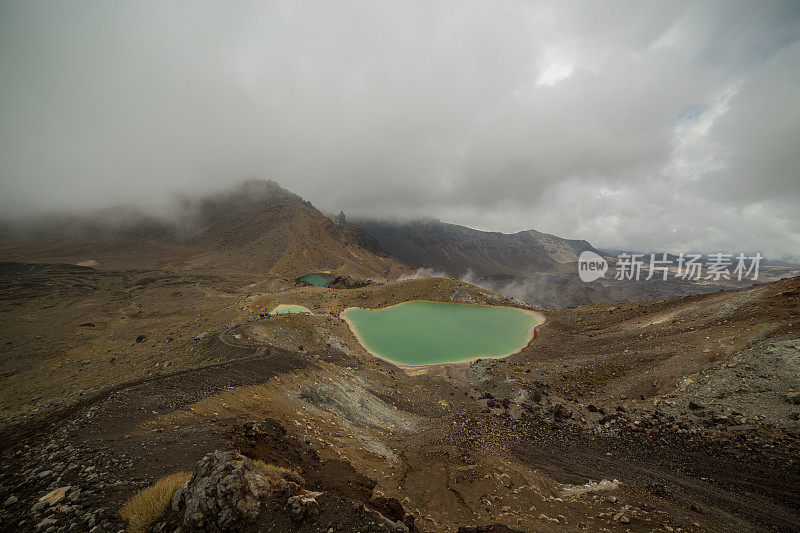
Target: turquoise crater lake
x=417, y=333
x=317, y=279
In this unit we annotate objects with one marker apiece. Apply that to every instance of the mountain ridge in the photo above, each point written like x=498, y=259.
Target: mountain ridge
x=458, y=250
x=257, y=226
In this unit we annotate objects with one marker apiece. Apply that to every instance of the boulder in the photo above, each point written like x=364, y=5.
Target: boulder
x=226, y=493
x=304, y=505
x=55, y=495
x=229, y=493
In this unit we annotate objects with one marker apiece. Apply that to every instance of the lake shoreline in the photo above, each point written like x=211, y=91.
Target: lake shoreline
x=540, y=319
x=290, y=309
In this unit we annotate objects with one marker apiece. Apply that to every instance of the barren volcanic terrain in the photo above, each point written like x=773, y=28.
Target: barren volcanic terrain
x=669, y=415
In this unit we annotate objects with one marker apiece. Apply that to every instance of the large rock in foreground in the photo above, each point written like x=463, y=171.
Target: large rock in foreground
x=228, y=493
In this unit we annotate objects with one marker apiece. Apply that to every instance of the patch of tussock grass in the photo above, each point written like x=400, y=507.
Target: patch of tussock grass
x=273, y=470
x=150, y=504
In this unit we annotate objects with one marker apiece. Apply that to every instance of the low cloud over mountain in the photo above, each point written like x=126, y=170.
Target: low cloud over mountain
x=660, y=126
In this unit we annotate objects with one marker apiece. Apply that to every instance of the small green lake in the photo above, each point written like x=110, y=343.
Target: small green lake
x=425, y=333
x=284, y=309
x=316, y=279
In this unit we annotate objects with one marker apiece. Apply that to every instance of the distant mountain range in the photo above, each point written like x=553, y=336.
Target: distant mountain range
x=260, y=229
x=459, y=250
x=535, y=267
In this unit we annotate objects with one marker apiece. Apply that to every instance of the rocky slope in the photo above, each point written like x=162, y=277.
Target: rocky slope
x=456, y=250
x=262, y=227
x=538, y=268
x=665, y=415
x=668, y=415
x=257, y=227
x=228, y=492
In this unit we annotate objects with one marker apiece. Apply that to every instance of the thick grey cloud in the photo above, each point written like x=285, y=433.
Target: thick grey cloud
x=658, y=125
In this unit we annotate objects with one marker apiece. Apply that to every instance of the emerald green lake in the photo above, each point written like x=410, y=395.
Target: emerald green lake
x=317, y=280
x=283, y=309
x=425, y=333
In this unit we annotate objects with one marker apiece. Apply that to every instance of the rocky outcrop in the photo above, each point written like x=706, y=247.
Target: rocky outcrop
x=226, y=493
x=230, y=493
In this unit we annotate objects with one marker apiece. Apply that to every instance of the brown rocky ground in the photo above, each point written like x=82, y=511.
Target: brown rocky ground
x=666, y=416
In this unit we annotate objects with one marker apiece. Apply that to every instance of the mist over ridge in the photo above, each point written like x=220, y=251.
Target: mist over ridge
x=634, y=126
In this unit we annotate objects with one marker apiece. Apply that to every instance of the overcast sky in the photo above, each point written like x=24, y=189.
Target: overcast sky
x=648, y=125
